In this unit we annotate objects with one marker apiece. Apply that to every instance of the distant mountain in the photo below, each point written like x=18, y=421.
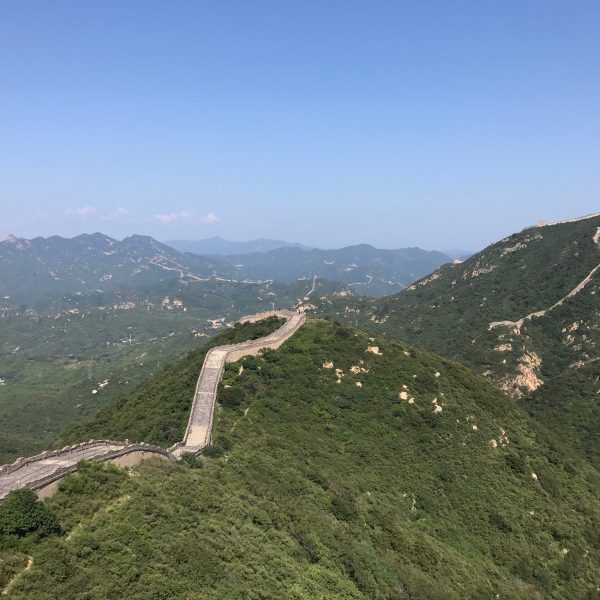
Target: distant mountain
x=459, y=253
x=34, y=269
x=219, y=246
x=363, y=268
x=524, y=312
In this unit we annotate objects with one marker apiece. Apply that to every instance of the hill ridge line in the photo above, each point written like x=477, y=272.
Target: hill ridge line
x=42, y=470
x=575, y=220
x=516, y=325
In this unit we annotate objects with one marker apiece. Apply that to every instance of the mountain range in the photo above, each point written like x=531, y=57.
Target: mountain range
x=363, y=268
x=40, y=268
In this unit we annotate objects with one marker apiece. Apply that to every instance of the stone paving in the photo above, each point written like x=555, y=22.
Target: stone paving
x=198, y=431
x=38, y=469
x=43, y=469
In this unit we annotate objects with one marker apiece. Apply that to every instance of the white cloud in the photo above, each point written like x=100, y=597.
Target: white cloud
x=210, y=218
x=85, y=212
x=172, y=217
x=117, y=215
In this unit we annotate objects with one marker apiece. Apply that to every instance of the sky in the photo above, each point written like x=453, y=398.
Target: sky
x=440, y=124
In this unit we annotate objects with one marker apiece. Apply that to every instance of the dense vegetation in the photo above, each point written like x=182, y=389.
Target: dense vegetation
x=62, y=362
x=157, y=410
x=21, y=513
x=450, y=312
x=423, y=482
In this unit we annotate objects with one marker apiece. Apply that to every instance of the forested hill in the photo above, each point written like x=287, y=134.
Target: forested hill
x=157, y=410
x=363, y=268
x=524, y=312
x=343, y=467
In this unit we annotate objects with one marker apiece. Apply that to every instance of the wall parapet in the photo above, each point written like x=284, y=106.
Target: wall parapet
x=43, y=469
x=207, y=387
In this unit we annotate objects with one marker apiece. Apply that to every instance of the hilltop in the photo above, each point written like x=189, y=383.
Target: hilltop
x=164, y=399
x=524, y=312
x=67, y=358
x=343, y=466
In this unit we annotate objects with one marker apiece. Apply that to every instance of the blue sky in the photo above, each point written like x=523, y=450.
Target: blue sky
x=438, y=124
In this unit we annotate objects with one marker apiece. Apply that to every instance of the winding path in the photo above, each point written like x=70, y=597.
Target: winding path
x=41, y=472
x=517, y=325
x=9, y=586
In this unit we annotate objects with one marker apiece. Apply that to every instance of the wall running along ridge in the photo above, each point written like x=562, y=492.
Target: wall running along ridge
x=517, y=325
x=43, y=471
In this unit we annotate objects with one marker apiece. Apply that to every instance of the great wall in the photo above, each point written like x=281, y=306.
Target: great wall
x=43, y=472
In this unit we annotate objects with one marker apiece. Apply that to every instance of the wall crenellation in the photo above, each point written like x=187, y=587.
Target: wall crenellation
x=42, y=471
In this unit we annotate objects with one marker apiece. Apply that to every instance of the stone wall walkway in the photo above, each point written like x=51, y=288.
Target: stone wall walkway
x=42, y=470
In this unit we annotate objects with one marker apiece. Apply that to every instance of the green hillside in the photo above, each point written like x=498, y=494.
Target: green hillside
x=157, y=410
x=550, y=359
x=64, y=361
x=411, y=478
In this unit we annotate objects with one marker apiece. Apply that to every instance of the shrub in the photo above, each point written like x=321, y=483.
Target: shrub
x=22, y=513
x=213, y=451
x=191, y=460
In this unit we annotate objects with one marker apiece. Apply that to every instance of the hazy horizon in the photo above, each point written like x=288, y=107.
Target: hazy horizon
x=445, y=249
x=430, y=125
x=171, y=240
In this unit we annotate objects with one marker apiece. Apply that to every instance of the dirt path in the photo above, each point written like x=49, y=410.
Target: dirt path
x=9, y=586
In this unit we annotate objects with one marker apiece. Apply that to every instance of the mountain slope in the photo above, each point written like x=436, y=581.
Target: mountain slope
x=363, y=268
x=36, y=269
x=68, y=358
x=422, y=482
x=525, y=312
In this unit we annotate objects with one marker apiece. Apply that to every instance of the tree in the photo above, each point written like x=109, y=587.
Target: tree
x=22, y=513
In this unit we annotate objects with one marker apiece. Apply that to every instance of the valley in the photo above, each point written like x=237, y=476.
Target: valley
x=62, y=362
x=41, y=472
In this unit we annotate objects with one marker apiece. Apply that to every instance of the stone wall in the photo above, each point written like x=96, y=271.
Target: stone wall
x=199, y=428
x=43, y=471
